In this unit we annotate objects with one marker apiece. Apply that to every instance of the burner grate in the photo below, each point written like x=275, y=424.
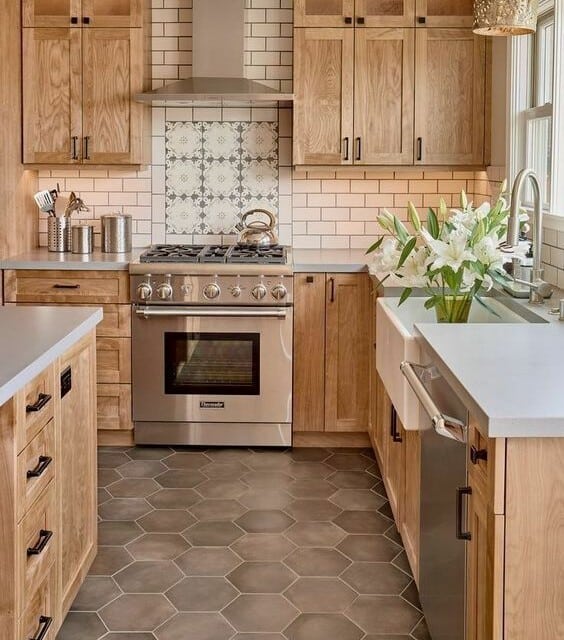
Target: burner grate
x=220, y=254
x=172, y=253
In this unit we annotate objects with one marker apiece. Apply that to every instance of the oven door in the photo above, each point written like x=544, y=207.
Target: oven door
x=212, y=364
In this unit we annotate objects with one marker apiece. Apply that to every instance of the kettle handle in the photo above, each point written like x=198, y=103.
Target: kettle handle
x=270, y=215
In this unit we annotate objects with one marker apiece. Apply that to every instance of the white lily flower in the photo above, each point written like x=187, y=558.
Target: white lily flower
x=386, y=258
x=487, y=252
x=414, y=270
x=452, y=252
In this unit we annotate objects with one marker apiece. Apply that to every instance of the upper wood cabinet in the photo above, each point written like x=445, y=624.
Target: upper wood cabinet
x=383, y=96
x=384, y=13
x=86, y=13
x=323, y=86
x=450, y=88
x=445, y=13
x=323, y=13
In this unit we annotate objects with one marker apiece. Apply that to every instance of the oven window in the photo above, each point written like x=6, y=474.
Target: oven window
x=212, y=363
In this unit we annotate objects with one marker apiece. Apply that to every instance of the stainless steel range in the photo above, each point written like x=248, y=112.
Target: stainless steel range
x=212, y=345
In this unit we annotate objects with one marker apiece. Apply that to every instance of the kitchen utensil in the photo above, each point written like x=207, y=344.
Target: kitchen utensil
x=257, y=233
x=116, y=233
x=75, y=204
x=59, y=237
x=45, y=201
x=82, y=238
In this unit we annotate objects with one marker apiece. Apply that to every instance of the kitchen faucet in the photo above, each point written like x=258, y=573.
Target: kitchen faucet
x=539, y=289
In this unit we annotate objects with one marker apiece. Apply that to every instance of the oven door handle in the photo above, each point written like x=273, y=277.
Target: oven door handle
x=444, y=425
x=211, y=312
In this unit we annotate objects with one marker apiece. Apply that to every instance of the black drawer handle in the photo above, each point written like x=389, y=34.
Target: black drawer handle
x=44, y=537
x=74, y=143
x=419, y=149
x=44, y=624
x=66, y=286
x=332, y=284
x=42, y=464
x=477, y=454
x=460, y=493
x=396, y=436
x=346, y=144
x=86, y=143
x=358, y=150
x=42, y=400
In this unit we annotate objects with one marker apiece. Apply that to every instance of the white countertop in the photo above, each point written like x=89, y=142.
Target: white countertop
x=330, y=260
x=43, y=259
x=508, y=375
x=31, y=338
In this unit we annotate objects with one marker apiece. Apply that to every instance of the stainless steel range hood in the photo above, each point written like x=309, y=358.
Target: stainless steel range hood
x=218, y=61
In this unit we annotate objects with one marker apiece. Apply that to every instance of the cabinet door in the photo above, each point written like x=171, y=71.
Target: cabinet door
x=112, y=13
x=309, y=352
x=395, y=466
x=77, y=467
x=409, y=527
x=347, y=344
x=383, y=417
x=383, y=96
x=50, y=13
x=445, y=13
x=51, y=95
x=323, y=87
x=111, y=119
x=323, y=13
x=385, y=13
x=450, y=97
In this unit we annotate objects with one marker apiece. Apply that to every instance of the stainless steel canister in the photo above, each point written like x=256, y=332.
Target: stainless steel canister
x=82, y=238
x=116, y=233
x=58, y=234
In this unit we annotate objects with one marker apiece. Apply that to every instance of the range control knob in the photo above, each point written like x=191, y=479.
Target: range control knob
x=279, y=292
x=236, y=291
x=144, y=291
x=164, y=291
x=211, y=291
x=259, y=292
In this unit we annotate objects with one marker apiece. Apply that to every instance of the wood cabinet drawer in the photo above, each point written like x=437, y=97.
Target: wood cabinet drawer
x=113, y=360
x=114, y=407
x=34, y=407
x=41, y=613
x=36, y=547
x=35, y=468
x=116, y=322
x=104, y=287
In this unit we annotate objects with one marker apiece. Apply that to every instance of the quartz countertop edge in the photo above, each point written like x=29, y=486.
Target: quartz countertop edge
x=42, y=259
x=508, y=376
x=32, y=338
x=330, y=260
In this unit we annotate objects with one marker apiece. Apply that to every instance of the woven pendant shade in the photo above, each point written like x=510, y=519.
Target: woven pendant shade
x=505, y=17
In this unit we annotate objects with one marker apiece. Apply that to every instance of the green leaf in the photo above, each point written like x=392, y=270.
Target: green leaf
x=432, y=224
x=405, y=295
x=375, y=246
x=430, y=302
x=409, y=246
x=401, y=231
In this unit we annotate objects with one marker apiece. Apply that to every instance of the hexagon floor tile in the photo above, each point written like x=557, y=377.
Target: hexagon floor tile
x=244, y=544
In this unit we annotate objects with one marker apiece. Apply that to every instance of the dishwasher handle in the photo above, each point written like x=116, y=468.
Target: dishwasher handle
x=444, y=425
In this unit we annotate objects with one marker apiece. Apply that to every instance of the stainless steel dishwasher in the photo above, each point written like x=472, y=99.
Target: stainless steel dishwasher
x=443, y=488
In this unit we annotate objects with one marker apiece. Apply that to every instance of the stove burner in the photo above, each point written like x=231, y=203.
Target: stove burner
x=179, y=253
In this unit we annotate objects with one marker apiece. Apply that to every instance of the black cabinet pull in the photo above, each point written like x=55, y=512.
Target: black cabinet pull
x=332, y=284
x=66, y=286
x=44, y=624
x=419, y=149
x=360, y=20
x=42, y=464
x=86, y=20
x=348, y=20
x=460, y=493
x=74, y=152
x=42, y=400
x=74, y=20
x=421, y=20
x=346, y=144
x=86, y=142
x=477, y=454
x=396, y=436
x=44, y=537
x=358, y=149
x=309, y=279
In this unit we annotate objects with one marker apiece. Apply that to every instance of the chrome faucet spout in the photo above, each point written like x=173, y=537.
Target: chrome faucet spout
x=537, y=290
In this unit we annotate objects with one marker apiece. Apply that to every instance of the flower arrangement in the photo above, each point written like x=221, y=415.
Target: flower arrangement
x=453, y=256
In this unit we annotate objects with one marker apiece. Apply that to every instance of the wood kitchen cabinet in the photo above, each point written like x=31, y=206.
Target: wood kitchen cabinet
x=339, y=13
x=78, y=88
x=331, y=347
x=48, y=500
x=106, y=289
x=419, y=92
x=84, y=13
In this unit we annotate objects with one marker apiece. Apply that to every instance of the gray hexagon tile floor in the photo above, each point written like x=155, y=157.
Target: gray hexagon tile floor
x=240, y=544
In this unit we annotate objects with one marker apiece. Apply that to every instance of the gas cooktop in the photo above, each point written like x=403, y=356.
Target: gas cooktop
x=214, y=254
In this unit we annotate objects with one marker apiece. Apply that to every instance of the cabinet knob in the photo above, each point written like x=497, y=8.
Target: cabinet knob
x=421, y=20
x=74, y=20
x=360, y=20
x=348, y=20
x=477, y=454
x=86, y=20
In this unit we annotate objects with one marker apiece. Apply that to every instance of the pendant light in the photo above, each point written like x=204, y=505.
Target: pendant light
x=505, y=17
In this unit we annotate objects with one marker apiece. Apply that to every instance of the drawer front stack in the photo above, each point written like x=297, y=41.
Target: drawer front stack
x=106, y=289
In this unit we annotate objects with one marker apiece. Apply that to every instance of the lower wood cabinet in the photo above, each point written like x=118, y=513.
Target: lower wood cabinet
x=331, y=352
x=106, y=289
x=48, y=500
